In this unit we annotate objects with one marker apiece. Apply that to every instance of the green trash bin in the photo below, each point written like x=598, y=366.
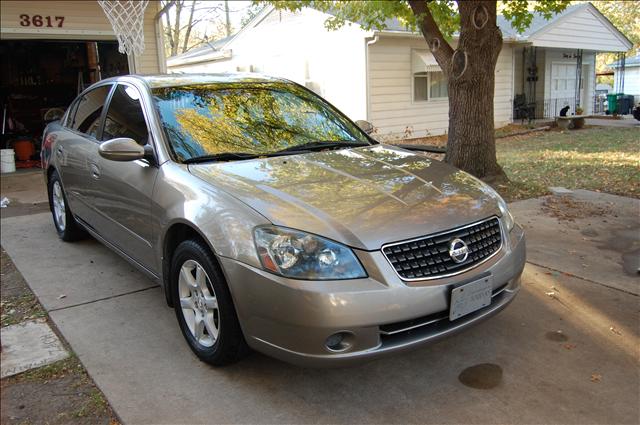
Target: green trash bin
x=612, y=102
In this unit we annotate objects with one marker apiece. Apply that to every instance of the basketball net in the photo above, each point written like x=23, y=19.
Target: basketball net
x=127, y=20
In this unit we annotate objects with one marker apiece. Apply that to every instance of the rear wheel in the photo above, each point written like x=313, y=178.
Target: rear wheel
x=204, y=307
x=66, y=225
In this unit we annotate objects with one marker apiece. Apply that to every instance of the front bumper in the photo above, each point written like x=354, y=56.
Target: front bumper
x=292, y=319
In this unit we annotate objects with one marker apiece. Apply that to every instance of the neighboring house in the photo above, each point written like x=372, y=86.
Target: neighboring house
x=391, y=79
x=627, y=79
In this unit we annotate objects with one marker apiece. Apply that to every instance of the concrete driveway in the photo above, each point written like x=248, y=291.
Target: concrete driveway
x=565, y=351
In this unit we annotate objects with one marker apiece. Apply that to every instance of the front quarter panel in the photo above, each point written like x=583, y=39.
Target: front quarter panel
x=223, y=221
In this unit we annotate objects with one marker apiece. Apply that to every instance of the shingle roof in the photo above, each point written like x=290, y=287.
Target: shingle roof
x=537, y=23
x=203, y=49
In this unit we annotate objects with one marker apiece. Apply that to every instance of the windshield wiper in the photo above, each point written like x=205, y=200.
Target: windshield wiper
x=319, y=145
x=305, y=147
x=225, y=156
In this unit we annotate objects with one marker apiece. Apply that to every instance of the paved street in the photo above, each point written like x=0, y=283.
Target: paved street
x=565, y=351
x=624, y=121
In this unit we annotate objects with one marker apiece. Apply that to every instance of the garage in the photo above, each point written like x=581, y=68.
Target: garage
x=53, y=51
x=41, y=79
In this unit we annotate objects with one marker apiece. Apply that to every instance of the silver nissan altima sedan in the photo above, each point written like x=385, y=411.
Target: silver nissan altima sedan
x=273, y=222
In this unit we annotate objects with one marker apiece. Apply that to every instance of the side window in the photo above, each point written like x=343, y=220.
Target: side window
x=71, y=113
x=88, y=111
x=125, y=117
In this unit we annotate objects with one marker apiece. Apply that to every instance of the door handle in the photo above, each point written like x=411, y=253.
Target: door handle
x=95, y=171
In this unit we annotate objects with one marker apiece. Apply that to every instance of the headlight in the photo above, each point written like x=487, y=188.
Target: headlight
x=506, y=214
x=299, y=255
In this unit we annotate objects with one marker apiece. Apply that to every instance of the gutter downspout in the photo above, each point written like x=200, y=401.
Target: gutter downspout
x=370, y=41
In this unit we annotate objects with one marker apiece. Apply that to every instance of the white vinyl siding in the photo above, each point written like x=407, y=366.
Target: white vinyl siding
x=582, y=29
x=631, y=81
x=392, y=107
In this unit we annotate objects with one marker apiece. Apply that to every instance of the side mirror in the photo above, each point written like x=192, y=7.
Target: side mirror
x=121, y=149
x=365, y=126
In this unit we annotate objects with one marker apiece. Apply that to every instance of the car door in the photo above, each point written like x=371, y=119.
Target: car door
x=76, y=150
x=124, y=194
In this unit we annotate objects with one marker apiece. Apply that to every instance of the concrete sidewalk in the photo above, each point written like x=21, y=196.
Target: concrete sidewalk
x=565, y=351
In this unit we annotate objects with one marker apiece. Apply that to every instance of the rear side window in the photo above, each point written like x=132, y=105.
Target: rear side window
x=125, y=117
x=71, y=113
x=88, y=111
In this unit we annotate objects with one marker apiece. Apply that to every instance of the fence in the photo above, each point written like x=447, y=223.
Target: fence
x=550, y=108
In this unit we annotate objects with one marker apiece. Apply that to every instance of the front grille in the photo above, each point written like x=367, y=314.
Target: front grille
x=428, y=257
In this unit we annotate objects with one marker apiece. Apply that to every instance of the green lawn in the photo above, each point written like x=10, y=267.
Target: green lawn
x=605, y=159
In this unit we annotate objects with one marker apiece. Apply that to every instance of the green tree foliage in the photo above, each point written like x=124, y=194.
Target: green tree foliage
x=625, y=15
x=470, y=75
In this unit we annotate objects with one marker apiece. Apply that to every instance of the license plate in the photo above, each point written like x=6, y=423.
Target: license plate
x=468, y=298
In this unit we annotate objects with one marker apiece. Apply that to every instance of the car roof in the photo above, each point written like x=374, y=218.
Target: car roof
x=173, y=80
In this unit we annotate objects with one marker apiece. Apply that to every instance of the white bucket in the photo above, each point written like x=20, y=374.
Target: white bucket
x=7, y=161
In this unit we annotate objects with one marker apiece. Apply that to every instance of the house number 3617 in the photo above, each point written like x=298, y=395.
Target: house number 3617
x=41, y=21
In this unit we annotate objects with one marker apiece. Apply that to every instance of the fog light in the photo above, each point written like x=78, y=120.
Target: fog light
x=339, y=341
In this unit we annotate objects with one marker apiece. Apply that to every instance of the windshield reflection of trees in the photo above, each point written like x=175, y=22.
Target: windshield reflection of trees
x=256, y=118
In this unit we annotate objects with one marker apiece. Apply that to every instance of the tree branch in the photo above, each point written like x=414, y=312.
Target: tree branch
x=431, y=32
x=189, y=27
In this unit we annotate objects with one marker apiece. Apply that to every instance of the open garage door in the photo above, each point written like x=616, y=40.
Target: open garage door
x=40, y=78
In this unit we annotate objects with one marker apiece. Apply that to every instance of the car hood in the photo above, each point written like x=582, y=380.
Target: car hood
x=363, y=197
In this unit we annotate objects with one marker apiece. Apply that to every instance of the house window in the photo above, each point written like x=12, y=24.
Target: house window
x=429, y=83
x=429, y=86
x=437, y=85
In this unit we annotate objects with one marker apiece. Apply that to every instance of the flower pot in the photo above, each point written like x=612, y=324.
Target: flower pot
x=24, y=149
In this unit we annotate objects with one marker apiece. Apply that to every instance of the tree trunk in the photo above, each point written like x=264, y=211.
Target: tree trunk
x=176, y=29
x=470, y=72
x=187, y=35
x=168, y=30
x=471, y=82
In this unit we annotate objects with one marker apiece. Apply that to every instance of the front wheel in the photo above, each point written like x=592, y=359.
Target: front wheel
x=204, y=307
x=66, y=225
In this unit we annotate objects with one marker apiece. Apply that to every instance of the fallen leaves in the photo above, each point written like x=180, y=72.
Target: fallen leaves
x=566, y=208
x=596, y=377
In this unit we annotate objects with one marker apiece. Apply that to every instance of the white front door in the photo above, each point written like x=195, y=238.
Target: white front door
x=563, y=82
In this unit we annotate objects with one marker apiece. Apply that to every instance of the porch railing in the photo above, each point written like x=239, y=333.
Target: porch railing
x=550, y=108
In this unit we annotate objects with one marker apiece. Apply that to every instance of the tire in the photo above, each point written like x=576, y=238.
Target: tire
x=66, y=225
x=204, y=307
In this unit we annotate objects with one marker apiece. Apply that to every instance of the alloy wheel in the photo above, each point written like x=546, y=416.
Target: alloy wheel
x=198, y=303
x=59, y=208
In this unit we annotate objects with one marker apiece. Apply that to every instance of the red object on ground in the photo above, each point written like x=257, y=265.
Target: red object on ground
x=24, y=149
x=31, y=163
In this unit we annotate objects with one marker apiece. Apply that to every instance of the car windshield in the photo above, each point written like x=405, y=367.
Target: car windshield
x=249, y=118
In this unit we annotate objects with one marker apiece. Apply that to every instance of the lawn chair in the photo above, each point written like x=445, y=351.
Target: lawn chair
x=523, y=110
